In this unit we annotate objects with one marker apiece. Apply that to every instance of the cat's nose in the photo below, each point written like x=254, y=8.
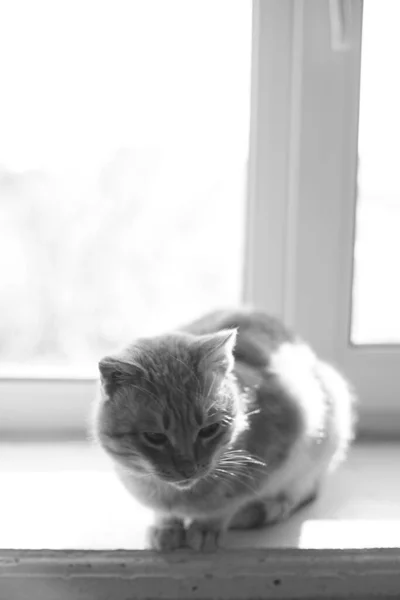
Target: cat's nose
x=187, y=470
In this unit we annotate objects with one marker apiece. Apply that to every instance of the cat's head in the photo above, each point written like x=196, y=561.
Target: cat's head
x=169, y=405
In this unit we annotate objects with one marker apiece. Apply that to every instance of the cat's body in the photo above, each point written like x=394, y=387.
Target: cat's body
x=282, y=419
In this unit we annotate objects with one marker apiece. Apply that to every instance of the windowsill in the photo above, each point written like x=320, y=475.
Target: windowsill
x=65, y=495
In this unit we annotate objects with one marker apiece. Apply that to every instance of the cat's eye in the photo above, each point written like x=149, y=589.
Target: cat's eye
x=209, y=431
x=156, y=439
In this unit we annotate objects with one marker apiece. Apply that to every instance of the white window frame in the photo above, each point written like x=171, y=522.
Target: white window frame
x=304, y=140
x=42, y=407
x=302, y=177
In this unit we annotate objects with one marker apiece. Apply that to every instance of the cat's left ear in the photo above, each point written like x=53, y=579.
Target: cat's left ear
x=117, y=370
x=217, y=349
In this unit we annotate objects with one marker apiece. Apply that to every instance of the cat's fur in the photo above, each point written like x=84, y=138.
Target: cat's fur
x=285, y=417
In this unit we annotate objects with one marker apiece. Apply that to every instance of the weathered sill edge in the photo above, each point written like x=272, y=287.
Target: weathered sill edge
x=239, y=574
x=142, y=559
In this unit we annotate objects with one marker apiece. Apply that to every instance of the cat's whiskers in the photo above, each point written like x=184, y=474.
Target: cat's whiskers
x=244, y=465
x=239, y=477
x=243, y=470
x=244, y=455
x=248, y=461
x=245, y=476
x=220, y=475
x=234, y=463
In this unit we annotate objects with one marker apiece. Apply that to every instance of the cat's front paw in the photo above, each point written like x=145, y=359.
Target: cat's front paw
x=166, y=536
x=203, y=536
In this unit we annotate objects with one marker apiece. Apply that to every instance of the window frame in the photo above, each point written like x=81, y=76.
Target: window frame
x=41, y=407
x=300, y=249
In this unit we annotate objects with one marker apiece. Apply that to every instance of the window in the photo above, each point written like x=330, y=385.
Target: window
x=376, y=290
x=123, y=156
x=123, y=161
x=307, y=225
x=318, y=192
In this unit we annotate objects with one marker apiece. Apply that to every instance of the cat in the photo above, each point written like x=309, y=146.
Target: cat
x=229, y=422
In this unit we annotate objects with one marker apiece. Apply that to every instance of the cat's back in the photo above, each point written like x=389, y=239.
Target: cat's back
x=259, y=334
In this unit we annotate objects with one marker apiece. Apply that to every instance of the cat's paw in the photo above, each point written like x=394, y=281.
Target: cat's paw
x=203, y=536
x=166, y=536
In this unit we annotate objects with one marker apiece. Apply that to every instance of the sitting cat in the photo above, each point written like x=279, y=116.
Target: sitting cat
x=229, y=422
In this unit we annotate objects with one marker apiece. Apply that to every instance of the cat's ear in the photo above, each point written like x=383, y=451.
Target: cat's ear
x=217, y=350
x=117, y=370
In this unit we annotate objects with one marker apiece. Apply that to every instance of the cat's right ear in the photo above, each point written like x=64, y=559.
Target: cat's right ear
x=115, y=371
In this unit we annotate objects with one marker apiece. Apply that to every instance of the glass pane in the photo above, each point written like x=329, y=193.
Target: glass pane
x=376, y=293
x=123, y=152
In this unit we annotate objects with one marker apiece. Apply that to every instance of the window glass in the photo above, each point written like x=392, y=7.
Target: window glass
x=123, y=154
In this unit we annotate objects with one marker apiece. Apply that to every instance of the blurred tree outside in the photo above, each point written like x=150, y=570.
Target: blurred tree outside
x=88, y=263
x=123, y=145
